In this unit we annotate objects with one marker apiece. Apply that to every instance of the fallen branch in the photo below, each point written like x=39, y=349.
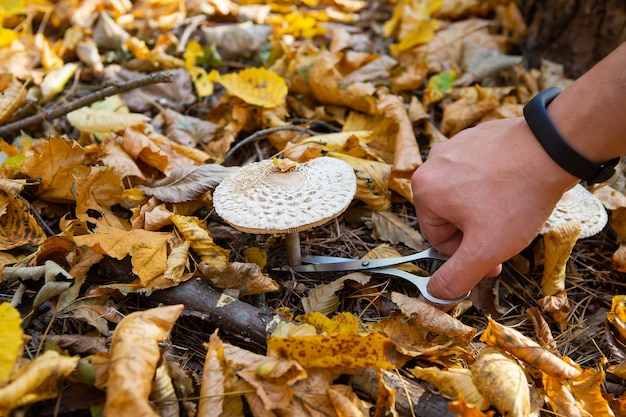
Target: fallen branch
x=110, y=90
x=232, y=316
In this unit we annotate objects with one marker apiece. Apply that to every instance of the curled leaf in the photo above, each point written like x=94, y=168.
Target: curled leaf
x=501, y=379
x=135, y=354
x=526, y=349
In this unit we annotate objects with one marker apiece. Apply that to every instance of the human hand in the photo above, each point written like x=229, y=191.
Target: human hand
x=482, y=197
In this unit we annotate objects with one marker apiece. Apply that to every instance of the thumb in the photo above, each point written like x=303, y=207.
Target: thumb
x=459, y=274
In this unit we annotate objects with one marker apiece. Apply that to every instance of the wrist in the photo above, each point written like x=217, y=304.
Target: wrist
x=559, y=148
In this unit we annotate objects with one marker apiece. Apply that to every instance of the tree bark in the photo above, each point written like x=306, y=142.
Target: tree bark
x=575, y=33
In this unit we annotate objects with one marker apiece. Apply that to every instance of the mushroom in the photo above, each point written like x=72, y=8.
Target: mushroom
x=579, y=204
x=282, y=196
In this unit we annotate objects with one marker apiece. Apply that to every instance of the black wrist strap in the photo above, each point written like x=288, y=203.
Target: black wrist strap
x=557, y=147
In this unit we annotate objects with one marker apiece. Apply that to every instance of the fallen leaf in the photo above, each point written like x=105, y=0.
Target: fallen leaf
x=371, y=350
x=390, y=227
x=36, y=381
x=501, y=379
x=526, y=349
x=455, y=383
x=187, y=183
x=10, y=340
x=134, y=356
x=256, y=86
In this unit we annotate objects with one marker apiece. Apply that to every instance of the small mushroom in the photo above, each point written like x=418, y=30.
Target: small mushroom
x=579, y=204
x=283, y=196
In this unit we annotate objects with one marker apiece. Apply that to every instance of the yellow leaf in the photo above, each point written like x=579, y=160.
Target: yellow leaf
x=36, y=381
x=588, y=391
x=177, y=261
x=455, y=383
x=526, y=349
x=372, y=181
x=91, y=120
x=256, y=255
x=135, y=354
x=501, y=379
x=10, y=340
x=558, y=244
x=54, y=82
x=349, y=350
x=341, y=323
x=213, y=256
x=256, y=86
x=423, y=33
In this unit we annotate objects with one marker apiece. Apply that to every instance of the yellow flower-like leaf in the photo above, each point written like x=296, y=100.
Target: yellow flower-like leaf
x=10, y=339
x=349, y=350
x=256, y=86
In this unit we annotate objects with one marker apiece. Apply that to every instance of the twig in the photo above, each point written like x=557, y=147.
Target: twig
x=108, y=91
x=262, y=133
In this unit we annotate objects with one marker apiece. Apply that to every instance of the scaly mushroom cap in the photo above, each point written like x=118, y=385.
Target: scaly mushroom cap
x=263, y=198
x=579, y=204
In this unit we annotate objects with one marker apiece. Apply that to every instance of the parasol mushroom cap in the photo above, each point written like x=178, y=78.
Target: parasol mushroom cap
x=282, y=196
x=579, y=204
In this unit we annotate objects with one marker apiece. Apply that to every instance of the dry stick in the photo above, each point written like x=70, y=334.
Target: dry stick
x=110, y=90
x=262, y=133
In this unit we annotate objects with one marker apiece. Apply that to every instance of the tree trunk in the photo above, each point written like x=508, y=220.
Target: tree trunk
x=575, y=33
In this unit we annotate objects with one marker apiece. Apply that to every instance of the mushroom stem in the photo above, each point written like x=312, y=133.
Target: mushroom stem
x=292, y=241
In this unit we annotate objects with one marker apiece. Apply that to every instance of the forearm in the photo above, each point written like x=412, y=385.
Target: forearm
x=590, y=113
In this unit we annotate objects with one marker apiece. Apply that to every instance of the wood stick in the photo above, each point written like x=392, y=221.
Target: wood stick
x=110, y=90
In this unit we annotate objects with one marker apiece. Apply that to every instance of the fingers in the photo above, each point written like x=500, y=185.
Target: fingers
x=460, y=274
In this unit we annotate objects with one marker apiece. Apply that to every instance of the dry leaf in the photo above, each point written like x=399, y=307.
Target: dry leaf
x=432, y=319
x=187, y=183
x=371, y=350
x=324, y=298
x=455, y=383
x=213, y=256
x=134, y=356
x=526, y=349
x=36, y=381
x=501, y=379
x=558, y=244
x=272, y=378
x=372, y=181
x=11, y=97
x=163, y=394
x=91, y=120
x=389, y=227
